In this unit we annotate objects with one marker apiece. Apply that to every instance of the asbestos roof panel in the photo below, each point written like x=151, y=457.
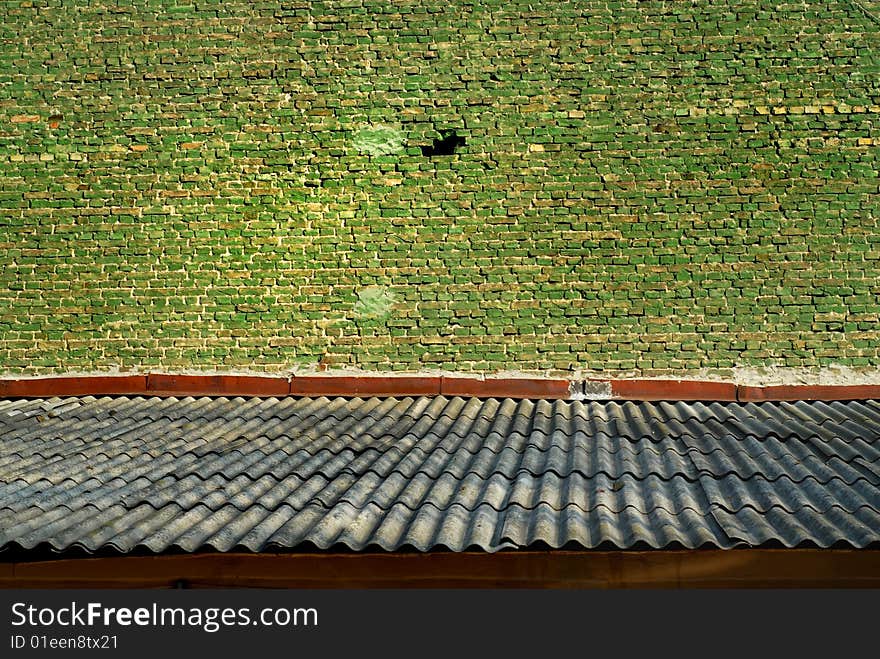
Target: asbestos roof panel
x=433, y=472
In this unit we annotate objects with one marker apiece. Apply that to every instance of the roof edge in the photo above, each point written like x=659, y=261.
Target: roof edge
x=167, y=385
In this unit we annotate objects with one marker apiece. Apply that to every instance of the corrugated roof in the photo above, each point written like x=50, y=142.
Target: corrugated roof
x=428, y=472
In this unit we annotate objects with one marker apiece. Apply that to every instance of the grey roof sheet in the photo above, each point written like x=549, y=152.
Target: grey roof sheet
x=234, y=473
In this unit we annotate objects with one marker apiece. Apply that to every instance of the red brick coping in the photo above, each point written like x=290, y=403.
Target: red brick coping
x=159, y=384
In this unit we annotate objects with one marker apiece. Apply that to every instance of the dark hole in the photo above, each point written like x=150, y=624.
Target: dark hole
x=444, y=145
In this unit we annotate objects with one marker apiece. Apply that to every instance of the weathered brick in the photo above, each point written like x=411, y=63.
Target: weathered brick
x=643, y=186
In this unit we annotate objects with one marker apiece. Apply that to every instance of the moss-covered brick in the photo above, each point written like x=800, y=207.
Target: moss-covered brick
x=638, y=185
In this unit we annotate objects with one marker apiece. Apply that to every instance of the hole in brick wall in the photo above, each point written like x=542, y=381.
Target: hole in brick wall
x=445, y=145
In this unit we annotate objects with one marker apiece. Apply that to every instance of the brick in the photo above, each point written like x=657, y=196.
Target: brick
x=73, y=386
x=216, y=385
x=673, y=390
x=364, y=386
x=809, y=392
x=506, y=387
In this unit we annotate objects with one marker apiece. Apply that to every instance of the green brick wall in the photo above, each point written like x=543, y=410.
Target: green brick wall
x=645, y=186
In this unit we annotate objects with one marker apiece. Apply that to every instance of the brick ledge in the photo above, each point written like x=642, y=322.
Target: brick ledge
x=162, y=384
